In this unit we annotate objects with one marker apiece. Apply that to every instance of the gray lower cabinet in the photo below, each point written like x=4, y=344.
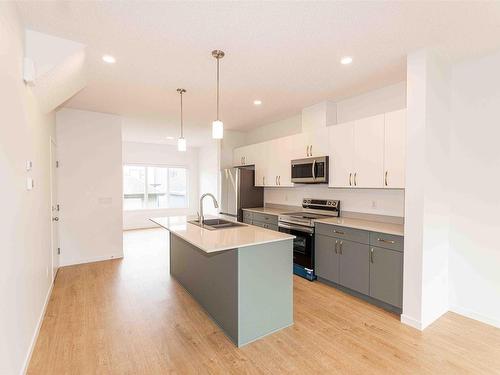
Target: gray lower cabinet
x=247, y=220
x=327, y=258
x=369, y=263
x=354, y=270
x=386, y=275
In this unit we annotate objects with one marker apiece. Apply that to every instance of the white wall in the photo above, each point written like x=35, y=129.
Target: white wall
x=158, y=154
x=373, y=201
x=25, y=277
x=90, y=186
x=475, y=220
x=278, y=129
x=209, y=174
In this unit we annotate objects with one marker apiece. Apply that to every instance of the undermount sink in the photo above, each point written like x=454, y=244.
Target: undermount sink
x=214, y=224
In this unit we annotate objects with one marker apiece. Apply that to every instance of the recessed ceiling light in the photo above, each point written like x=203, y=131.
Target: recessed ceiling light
x=346, y=60
x=257, y=102
x=170, y=137
x=108, y=59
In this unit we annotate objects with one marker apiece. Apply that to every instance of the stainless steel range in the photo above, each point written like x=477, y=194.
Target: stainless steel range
x=301, y=225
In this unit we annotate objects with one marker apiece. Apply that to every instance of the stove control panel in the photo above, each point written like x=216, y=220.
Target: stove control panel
x=321, y=204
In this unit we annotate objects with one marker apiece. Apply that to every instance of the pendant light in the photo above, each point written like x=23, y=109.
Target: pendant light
x=181, y=142
x=217, y=125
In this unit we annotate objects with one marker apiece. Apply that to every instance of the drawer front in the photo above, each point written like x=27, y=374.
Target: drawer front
x=247, y=215
x=267, y=219
x=266, y=225
x=247, y=220
x=344, y=233
x=387, y=241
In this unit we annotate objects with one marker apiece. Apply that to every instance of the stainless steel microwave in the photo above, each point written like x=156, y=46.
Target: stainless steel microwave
x=310, y=170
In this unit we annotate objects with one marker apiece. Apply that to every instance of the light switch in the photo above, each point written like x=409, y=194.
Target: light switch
x=30, y=184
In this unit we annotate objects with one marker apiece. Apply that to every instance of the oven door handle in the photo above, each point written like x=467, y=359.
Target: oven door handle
x=296, y=227
x=314, y=169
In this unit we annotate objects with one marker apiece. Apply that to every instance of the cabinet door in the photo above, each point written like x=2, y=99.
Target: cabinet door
x=369, y=152
x=300, y=146
x=386, y=275
x=341, y=140
x=395, y=149
x=355, y=266
x=261, y=164
x=326, y=261
x=238, y=156
x=282, y=149
x=318, y=142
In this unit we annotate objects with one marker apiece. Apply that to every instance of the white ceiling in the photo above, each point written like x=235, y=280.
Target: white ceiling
x=284, y=53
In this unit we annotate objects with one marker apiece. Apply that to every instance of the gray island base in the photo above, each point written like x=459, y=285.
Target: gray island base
x=247, y=291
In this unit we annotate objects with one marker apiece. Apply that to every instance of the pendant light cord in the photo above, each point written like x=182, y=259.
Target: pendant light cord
x=182, y=123
x=218, y=88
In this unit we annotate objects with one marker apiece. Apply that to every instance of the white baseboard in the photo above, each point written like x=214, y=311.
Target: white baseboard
x=93, y=259
x=475, y=315
x=405, y=319
x=37, y=330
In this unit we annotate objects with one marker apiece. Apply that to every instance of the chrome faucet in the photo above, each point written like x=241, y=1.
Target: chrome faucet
x=200, y=214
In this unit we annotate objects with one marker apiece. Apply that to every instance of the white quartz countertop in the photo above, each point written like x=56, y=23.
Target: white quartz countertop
x=269, y=210
x=212, y=241
x=374, y=226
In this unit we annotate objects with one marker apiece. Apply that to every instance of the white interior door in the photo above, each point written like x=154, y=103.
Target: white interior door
x=54, y=208
x=369, y=152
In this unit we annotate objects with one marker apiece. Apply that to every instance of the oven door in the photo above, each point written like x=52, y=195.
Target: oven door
x=303, y=244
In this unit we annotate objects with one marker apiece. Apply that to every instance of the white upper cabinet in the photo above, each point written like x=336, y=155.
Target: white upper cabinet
x=395, y=149
x=244, y=156
x=369, y=152
x=283, y=170
x=260, y=150
x=341, y=140
x=309, y=144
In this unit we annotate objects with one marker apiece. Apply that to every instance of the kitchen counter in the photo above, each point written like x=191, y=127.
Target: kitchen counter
x=211, y=241
x=270, y=210
x=373, y=226
x=242, y=276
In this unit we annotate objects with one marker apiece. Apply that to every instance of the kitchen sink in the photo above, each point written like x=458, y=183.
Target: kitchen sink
x=214, y=224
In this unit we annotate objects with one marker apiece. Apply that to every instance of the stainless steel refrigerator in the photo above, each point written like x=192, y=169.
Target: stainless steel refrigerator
x=238, y=191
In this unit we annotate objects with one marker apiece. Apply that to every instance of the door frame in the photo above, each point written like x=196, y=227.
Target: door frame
x=53, y=180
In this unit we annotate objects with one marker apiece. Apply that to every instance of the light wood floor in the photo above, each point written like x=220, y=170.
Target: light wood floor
x=129, y=317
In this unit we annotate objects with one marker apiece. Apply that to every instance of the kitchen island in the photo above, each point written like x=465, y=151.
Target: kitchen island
x=241, y=276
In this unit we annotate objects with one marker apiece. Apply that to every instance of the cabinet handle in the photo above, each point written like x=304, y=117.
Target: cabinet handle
x=386, y=241
x=279, y=180
x=350, y=176
x=244, y=160
x=355, y=174
x=340, y=247
x=307, y=151
x=311, y=150
x=336, y=243
x=263, y=180
x=371, y=255
x=338, y=231
x=385, y=179
x=276, y=180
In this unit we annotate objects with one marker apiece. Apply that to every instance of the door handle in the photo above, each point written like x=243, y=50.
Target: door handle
x=55, y=219
x=385, y=179
x=386, y=241
x=371, y=255
x=350, y=177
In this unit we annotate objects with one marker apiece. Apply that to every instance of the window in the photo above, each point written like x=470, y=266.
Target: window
x=149, y=187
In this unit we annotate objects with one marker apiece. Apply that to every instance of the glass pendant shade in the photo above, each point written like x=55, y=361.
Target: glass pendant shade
x=181, y=144
x=217, y=129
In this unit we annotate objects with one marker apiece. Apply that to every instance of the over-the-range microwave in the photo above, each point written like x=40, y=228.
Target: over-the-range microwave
x=310, y=170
